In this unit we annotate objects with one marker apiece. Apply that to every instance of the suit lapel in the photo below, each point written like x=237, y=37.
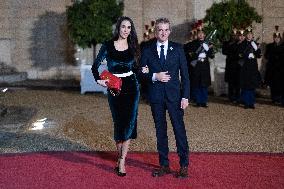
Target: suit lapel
x=155, y=53
x=154, y=50
x=169, y=52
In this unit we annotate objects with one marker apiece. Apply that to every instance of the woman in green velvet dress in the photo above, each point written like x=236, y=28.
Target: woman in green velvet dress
x=122, y=56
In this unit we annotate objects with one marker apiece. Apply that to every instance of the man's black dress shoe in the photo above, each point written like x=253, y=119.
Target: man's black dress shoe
x=204, y=105
x=197, y=105
x=163, y=170
x=183, y=172
x=251, y=106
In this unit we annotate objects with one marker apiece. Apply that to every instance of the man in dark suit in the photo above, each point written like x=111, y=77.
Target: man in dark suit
x=168, y=90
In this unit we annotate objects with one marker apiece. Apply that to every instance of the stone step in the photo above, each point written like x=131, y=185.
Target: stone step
x=9, y=74
x=13, y=77
x=5, y=69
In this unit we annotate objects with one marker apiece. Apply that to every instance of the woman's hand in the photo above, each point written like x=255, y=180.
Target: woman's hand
x=102, y=82
x=145, y=69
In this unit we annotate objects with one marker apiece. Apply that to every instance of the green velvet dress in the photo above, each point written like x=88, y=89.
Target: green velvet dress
x=124, y=107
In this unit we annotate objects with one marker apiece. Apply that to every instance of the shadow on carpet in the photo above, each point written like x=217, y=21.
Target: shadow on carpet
x=95, y=170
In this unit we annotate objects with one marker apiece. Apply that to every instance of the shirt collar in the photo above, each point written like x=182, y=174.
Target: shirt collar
x=166, y=43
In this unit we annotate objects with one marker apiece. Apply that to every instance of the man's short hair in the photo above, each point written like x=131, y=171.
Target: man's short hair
x=162, y=20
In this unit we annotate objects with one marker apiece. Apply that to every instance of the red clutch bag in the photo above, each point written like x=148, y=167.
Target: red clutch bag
x=114, y=83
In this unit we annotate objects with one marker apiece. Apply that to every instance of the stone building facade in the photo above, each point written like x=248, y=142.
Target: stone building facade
x=34, y=40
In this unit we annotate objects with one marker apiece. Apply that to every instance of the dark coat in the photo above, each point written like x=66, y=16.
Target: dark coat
x=178, y=86
x=249, y=73
x=200, y=73
x=232, y=69
x=274, y=74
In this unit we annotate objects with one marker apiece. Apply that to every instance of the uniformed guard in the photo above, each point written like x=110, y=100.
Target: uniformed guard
x=232, y=68
x=198, y=51
x=250, y=78
x=274, y=74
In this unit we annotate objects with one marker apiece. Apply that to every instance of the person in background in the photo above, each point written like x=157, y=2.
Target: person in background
x=168, y=90
x=232, y=69
x=274, y=74
x=122, y=56
x=198, y=52
x=250, y=78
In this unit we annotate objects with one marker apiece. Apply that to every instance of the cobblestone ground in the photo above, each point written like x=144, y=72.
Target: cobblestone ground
x=65, y=120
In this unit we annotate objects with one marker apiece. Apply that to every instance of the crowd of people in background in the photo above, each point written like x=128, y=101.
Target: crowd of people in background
x=242, y=73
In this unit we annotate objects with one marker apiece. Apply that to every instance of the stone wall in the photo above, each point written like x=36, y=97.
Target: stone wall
x=38, y=39
x=39, y=46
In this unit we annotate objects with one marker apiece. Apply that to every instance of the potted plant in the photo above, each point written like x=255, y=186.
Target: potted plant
x=228, y=15
x=90, y=21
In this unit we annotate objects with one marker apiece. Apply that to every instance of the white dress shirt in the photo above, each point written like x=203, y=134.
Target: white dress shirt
x=166, y=45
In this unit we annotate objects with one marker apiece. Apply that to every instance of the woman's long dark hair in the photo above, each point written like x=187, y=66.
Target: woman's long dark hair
x=132, y=39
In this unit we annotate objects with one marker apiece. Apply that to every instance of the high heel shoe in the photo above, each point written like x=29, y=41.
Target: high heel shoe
x=118, y=172
x=121, y=174
x=116, y=169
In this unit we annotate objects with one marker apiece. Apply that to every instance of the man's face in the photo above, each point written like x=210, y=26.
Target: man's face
x=162, y=32
x=201, y=35
x=241, y=38
x=249, y=36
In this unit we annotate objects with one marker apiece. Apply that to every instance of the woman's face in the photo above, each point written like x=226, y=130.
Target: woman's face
x=125, y=28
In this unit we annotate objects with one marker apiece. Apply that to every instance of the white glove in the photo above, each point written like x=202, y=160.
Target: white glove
x=251, y=55
x=202, y=55
x=145, y=69
x=205, y=46
x=254, y=45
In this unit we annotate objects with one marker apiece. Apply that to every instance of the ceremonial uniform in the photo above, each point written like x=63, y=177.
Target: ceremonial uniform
x=232, y=69
x=274, y=74
x=249, y=75
x=199, y=70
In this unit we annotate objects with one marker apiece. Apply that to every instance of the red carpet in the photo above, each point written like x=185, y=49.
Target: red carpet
x=83, y=170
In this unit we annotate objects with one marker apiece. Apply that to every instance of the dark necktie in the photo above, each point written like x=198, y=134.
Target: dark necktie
x=162, y=55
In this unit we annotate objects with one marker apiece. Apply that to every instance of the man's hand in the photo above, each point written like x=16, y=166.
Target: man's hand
x=184, y=103
x=102, y=82
x=163, y=76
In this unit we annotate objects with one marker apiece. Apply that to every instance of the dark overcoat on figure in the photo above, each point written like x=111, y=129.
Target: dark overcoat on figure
x=274, y=74
x=232, y=68
x=200, y=73
x=249, y=73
